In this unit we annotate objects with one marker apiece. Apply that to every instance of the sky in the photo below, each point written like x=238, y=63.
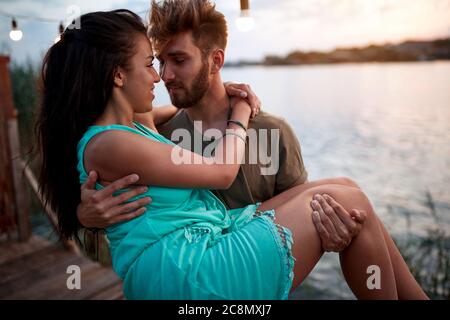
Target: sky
x=281, y=26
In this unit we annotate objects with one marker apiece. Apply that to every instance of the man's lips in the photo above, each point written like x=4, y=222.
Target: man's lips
x=171, y=89
x=173, y=85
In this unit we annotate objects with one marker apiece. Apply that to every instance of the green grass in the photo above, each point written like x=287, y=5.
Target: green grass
x=429, y=256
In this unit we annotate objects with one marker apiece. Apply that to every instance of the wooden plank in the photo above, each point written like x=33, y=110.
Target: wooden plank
x=17, y=194
x=6, y=103
x=11, y=250
x=92, y=283
x=47, y=283
x=93, y=279
x=20, y=192
x=69, y=244
x=33, y=262
x=114, y=292
x=8, y=224
x=37, y=270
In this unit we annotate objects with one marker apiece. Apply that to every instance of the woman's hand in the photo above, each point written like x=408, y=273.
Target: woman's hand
x=245, y=92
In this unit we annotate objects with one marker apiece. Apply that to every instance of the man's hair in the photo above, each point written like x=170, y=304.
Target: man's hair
x=171, y=17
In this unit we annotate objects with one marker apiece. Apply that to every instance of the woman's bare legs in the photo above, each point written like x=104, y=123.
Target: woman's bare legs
x=368, y=248
x=407, y=286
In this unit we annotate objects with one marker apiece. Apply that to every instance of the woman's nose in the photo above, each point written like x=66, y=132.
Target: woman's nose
x=156, y=77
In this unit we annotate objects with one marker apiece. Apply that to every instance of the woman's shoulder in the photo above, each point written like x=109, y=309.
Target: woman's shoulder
x=97, y=142
x=103, y=140
x=107, y=149
x=107, y=134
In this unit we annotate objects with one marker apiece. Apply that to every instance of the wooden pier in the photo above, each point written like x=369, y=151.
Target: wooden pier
x=30, y=266
x=37, y=269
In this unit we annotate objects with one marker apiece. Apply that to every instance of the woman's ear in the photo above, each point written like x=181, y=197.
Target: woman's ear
x=119, y=78
x=218, y=59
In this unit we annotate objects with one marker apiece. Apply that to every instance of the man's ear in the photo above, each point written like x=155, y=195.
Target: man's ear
x=119, y=77
x=218, y=59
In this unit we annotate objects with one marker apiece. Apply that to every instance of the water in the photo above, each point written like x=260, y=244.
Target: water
x=384, y=125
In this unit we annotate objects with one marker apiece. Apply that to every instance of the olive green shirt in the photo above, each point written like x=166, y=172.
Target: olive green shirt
x=251, y=184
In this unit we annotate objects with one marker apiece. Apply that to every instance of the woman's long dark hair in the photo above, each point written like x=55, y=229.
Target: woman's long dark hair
x=77, y=82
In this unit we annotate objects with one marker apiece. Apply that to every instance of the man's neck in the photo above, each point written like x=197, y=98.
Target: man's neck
x=213, y=109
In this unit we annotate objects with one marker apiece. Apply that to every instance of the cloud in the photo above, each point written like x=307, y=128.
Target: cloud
x=287, y=25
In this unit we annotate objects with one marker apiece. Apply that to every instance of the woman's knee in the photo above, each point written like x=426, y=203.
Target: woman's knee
x=347, y=182
x=357, y=199
x=349, y=197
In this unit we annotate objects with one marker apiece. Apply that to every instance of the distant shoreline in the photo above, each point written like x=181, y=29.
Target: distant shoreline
x=408, y=51
x=237, y=66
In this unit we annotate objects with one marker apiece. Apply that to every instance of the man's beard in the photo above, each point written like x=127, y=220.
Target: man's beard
x=191, y=97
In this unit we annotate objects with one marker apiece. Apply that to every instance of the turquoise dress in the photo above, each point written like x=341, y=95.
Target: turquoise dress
x=187, y=245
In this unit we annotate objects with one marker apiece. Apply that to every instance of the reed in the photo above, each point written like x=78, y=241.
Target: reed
x=428, y=256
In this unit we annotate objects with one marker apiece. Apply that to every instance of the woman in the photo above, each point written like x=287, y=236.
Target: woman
x=188, y=246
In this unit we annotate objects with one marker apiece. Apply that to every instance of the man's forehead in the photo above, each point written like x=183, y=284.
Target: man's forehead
x=180, y=44
x=173, y=52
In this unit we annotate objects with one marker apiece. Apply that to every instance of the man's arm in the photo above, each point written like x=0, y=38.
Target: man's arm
x=100, y=208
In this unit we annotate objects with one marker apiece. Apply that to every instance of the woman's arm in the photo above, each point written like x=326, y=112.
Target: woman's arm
x=157, y=116
x=164, y=114
x=114, y=154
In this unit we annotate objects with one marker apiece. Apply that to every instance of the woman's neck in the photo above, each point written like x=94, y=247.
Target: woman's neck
x=116, y=113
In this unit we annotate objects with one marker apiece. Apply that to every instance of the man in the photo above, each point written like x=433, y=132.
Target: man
x=190, y=38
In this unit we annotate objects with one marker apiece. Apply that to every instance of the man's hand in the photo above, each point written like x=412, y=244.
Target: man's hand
x=244, y=91
x=100, y=209
x=336, y=226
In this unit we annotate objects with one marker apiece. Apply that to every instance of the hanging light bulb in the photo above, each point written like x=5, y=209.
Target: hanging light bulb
x=15, y=34
x=61, y=30
x=245, y=22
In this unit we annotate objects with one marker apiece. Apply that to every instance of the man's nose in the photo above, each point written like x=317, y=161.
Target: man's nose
x=166, y=73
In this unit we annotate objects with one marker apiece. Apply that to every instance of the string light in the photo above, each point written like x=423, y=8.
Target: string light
x=245, y=22
x=15, y=34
